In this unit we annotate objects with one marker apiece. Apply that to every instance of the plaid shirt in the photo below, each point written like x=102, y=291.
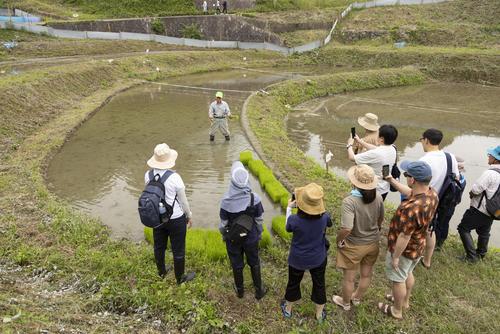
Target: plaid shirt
x=413, y=217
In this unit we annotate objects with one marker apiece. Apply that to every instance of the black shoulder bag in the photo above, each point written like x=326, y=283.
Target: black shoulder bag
x=238, y=228
x=395, y=172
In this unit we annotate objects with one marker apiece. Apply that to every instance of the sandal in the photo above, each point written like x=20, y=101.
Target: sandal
x=387, y=310
x=286, y=314
x=323, y=317
x=424, y=265
x=355, y=301
x=389, y=298
x=337, y=300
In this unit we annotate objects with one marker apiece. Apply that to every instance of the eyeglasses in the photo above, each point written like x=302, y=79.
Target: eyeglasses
x=405, y=174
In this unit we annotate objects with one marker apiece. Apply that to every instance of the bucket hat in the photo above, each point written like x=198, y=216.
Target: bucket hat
x=219, y=94
x=369, y=121
x=419, y=170
x=310, y=199
x=494, y=152
x=362, y=177
x=163, y=157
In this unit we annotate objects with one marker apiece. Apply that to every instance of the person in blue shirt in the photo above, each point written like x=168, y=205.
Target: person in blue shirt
x=308, y=250
x=237, y=201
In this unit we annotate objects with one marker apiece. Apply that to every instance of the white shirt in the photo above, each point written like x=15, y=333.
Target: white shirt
x=489, y=182
x=376, y=158
x=437, y=161
x=173, y=184
x=205, y=6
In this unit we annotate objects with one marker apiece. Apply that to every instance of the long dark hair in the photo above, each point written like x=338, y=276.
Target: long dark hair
x=368, y=195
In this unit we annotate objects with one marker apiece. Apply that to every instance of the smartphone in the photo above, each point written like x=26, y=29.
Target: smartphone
x=353, y=132
x=293, y=196
x=385, y=171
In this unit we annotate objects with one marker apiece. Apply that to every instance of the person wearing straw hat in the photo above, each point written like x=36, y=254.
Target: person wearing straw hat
x=237, y=201
x=308, y=249
x=369, y=122
x=162, y=161
x=218, y=112
x=359, y=234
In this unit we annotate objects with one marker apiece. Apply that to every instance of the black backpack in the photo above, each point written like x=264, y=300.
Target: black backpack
x=238, y=228
x=452, y=190
x=395, y=172
x=150, y=199
x=493, y=203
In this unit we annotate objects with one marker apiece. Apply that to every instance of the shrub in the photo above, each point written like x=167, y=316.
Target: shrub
x=266, y=239
x=246, y=157
x=191, y=31
x=157, y=27
x=256, y=166
x=265, y=176
x=278, y=224
x=275, y=190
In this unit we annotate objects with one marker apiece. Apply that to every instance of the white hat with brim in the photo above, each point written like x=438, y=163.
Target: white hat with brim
x=310, y=199
x=369, y=121
x=362, y=177
x=163, y=157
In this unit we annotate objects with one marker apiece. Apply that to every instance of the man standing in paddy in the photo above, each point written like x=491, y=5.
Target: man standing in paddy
x=218, y=112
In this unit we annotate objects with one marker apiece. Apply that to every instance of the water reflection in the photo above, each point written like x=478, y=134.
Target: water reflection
x=468, y=115
x=101, y=168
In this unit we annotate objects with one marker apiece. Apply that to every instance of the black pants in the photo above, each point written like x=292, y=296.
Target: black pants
x=474, y=219
x=176, y=230
x=442, y=223
x=318, y=294
x=236, y=254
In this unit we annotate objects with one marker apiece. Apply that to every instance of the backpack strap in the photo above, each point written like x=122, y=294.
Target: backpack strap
x=448, y=175
x=395, y=149
x=251, y=199
x=163, y=179
x=483, y=194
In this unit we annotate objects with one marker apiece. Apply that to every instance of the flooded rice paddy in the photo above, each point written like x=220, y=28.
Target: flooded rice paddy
x=468, y=115
x=100, y=170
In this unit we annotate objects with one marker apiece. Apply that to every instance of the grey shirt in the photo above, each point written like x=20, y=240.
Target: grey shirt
x=362, y=219
x=219, y=110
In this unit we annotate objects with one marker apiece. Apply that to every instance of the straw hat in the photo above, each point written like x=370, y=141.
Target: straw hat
x=310, y=199
x=163, y=158
x=369, y=121
x=362, y=177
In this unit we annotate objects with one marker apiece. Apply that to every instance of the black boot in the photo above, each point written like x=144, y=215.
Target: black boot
x=238, y=282
x=179, y=272
x=439, y=244
x=212, y=138
x=482, y=245
x=260, y=290
x=228, y=138
x=468, y=242
x=164, y=271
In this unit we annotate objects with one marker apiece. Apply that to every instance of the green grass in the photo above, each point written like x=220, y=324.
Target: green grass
x=256, y=166
x=266, y=176
x=279, y=227
x=266, y=240
x=276, y=191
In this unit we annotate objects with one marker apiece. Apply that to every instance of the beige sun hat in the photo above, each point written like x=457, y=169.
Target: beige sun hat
x=163, y=158
x=362, y=177
x=369, y=121
x=310, y=199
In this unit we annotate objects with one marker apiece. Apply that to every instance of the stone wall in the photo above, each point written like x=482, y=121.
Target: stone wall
x=212, y=27
x=279, y=27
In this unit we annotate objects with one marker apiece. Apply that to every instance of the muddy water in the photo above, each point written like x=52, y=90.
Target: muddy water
x=468, y=115
x=101, y=168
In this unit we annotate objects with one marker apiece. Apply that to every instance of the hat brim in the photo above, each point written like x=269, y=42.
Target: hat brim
x=366, y=125
x=169, y=163
x=404, y=165
x=307, y=208
x=491, y=151
x=361, y=185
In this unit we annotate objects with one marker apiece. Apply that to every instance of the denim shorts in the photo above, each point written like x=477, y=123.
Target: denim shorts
x=406, y=267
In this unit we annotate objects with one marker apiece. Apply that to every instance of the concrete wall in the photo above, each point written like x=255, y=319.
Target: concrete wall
x=278, y=27
x=212, y=27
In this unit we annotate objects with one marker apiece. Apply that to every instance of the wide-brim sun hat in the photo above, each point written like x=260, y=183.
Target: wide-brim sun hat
x=310, y=199
x=494, y=152
x=369, y=121
x=163, y=157
x=362, y=177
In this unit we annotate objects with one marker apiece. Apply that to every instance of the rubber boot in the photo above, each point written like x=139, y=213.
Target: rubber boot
x=179, y=272
x=468, y=242
x=260, y=290
x=212, y=138
x=439, y=244
x=238, y=282
x=164, y=271
x=482, y=246
x=228, y=138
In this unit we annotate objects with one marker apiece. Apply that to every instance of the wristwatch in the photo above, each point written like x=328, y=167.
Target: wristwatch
x=347, y=147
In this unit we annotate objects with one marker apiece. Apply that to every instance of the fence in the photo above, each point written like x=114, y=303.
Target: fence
x=202, y=43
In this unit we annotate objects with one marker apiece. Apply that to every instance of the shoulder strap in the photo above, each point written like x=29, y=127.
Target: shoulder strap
x=151, y=174
x=483, y=194
x=251, y=199
x=166, y=175
x=396, y=149
x=448, y=163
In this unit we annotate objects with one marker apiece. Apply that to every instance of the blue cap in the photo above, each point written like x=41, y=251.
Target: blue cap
x=494, y=152
x=419, y=170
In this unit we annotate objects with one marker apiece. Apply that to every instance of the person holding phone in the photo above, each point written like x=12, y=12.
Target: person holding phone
x=308, y=248
x=377, y=156
x=369, y=122
x=359, y=234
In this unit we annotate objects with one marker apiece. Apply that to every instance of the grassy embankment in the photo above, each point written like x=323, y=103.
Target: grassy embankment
x=459, y=23
x=452, y=297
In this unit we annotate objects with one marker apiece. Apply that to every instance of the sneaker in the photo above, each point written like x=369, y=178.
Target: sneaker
x=285, y=313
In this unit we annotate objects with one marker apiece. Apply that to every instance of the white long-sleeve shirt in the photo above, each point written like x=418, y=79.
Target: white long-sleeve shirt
x=489, y=182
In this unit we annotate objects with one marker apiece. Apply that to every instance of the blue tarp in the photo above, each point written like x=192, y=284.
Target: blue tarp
x=20, y=19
